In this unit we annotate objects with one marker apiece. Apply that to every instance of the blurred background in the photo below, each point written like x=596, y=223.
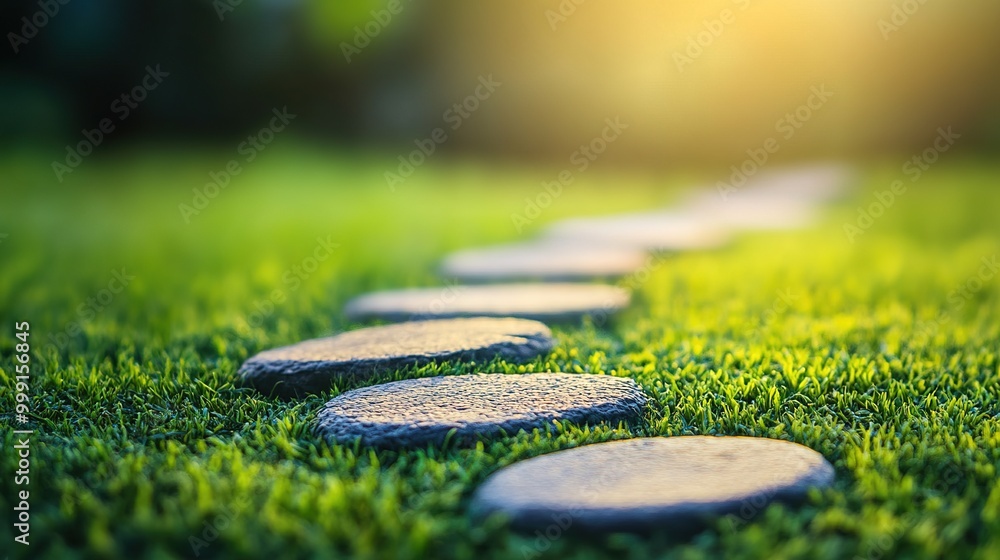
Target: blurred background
x=697, y=83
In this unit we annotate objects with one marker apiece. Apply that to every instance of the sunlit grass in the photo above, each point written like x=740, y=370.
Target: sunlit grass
x=143, y=442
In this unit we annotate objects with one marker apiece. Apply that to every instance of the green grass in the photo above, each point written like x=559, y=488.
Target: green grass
x=142, y=441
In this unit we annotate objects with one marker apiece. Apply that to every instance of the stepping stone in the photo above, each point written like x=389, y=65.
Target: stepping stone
x=809, y=183
x=773, y=199
x=543, y=261
x=543, y=302
x=467, y=408
x=650, y=231
x=651, y=484
x=751, y=210
x=315, y=365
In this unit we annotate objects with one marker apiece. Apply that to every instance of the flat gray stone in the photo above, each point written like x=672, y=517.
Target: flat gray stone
x=782, y=198
x=547, y=261
x=753, y=210
x=315, y=365
x=542, y=302
x=466, y=408
x=651, y=484
x=806, y=182
x=649, y=231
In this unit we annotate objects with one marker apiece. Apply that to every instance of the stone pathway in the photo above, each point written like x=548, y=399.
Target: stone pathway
x=546, y=261
x=542, y=302
x=651, y=484
x=807, y=183
x=315, y=365
x=467, y=408
x=637, y=485
x=650, y=231
x=750, y=210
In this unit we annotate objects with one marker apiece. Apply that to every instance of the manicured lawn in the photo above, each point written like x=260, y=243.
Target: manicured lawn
x=881, y=354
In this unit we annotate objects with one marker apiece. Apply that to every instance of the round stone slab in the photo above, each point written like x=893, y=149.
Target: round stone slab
x=543, y=302
x=466, y=408
x=815, y=183
x=314, y=365
x=548, y=261
x=651, y=231
x=753, y=210
x=651, y=484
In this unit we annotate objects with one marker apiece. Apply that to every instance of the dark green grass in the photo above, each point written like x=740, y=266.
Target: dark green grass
x=143, y=442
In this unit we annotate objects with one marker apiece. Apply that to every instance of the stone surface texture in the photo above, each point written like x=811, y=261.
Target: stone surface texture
x=650, y=231
x=547, y=261
x=653, y=484
x=544, y=302
x=465, y=408
x=313, y=366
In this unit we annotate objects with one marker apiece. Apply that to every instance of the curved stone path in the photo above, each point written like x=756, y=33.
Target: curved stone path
x=637, y=485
